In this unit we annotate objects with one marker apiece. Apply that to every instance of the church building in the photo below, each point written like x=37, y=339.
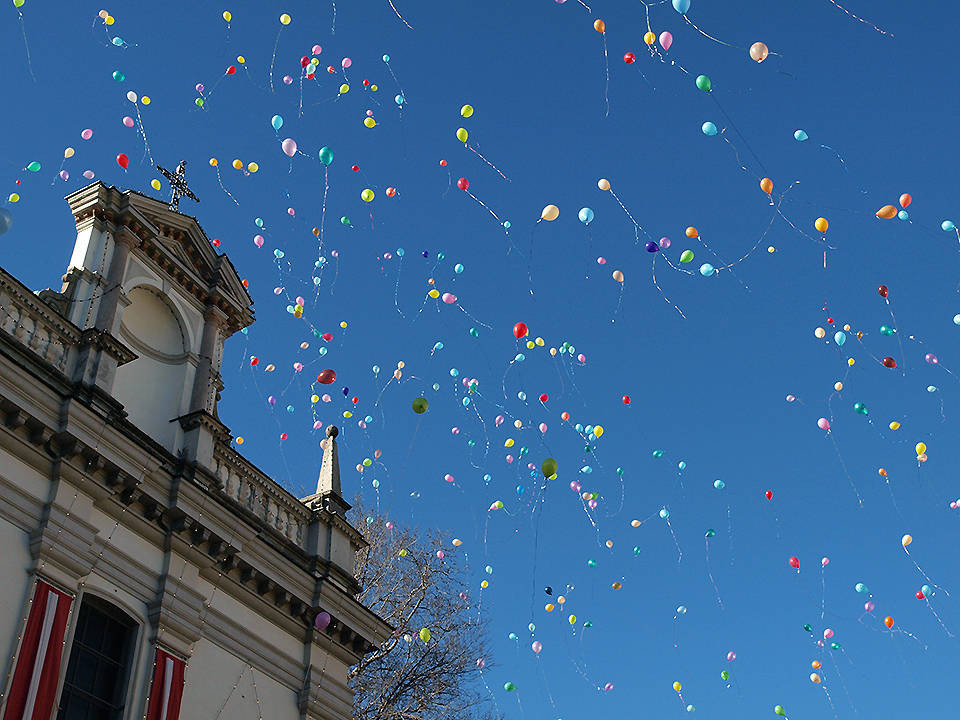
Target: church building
x=151, y=572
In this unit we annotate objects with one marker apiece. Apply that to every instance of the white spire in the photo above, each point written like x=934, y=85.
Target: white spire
x=329, y=481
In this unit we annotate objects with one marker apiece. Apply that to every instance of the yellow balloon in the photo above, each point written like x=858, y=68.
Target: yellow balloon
x=14, y=197
x=253, y=167
x=572, y=619
x=109, y=20
x=68, y=153
x=457, y=542
x=894, y=425
x=850, y=362
x=906, y=540
x=539, y=341
x=238, y=164
x=241, y=59
x=549, y=607
x=314, y=399
x=598, y=430
x=367, y=195
x=603, y=184
x=347, y=414
x=466, y=111
x=434, y=293
x=921, y=448
x=369, y=122
x=814, y=678
x=462, y=135
x=145, y=99
x=838, y=386
x=530, y=345
x=677, y=686
x=374, y=88
x=553, y=352
x=227, y=16
x=485, y=584
x=155, y=184
x=821, y=224
x=820, y=332
x=343, y=324
x=344, y=89
x=649, y=38
x=213, y=162
x=239, y=441
x=285, y=19
x=508, y=443
x=550, y=213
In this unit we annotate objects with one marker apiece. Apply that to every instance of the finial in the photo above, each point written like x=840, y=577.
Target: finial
x=332, y=431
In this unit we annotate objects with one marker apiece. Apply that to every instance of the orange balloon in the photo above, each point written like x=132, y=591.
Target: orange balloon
x=821, y=224
x=692, y=232
x=887, y=212
x=815, y=664
x=599, y=26
x=618, y=276
x=759, y=52
x=888, y=621
x=766, y=185
x=905, y=200
x=883, y=472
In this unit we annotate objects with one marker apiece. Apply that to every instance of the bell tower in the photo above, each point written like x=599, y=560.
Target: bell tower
x=157, y=303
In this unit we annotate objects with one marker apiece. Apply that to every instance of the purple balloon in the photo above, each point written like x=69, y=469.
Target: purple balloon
x=322, y=621
x=652, y=247
x=664, y=242
x=64, y=175
x=199, y=87
x=931, y=358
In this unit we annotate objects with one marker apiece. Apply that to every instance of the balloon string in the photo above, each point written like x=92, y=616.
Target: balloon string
x=399, y=15
x=735, y=151
x=920, y=570
x=323, y=209
x=483, y=204
x=690, y=22
x=475, y=152
x=945, y=629
x=26, y=45
x=737, y=130
x=844, y=466
x=710, y=572
x=220, y=181
x=143, y=134
x=749, y=252
x=637, y=227
x=675, y=542
x=843, y=164
x=830, y=700
x=606, y=66
x=653, y=266
x=274, y=58
x=333, y=23
x=860, y=19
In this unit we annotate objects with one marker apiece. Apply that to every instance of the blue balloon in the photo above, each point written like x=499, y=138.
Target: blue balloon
x=840, y=338
x=586, y=469
x=506, y=224
x=258, y=222
x=948, y=226
x=277, y=122
x=520, y=357
x=931, y=388
x=278, y=254
x=719, y=484
x=6, y=221
x=512, y=636
x=682, y=465
x=400, y=252
x=709, y=129
x=458, y=268
x=399, y=99
x=585, y=215
x=386, y=58
x=800, y=136
x=681, y=6
x=707, y=270
x=520, y=489
x=118, y=41
x=466, y=401
x=322, y=351
x=903, y=215
x=454, y=372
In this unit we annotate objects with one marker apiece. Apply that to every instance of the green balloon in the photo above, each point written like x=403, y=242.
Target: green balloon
x=808, y=627
x=724, y=675
x=886, y=330
x=860, y=408
x=198, y=102
x=18, y=3
x=686, y=256
x=420, y=405
x=591, y=563
x=778, y=709
x=34, y=166
x=549, y=467
x=588, y=624
x=344, y=220
x=658, y=453
x=119, y=76
x=509, y=686
x=835, y=646
x=703, y=82
x=710, y=533
x=326, y=155
x=474, y=332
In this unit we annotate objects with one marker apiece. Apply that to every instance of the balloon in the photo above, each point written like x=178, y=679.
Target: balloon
x=666, y=40
x=681, y=6
x=840, y=338
x=603, y=184
x=794, y=562
x=889, y=362
x=537, y=646
x=860, y=408
x=709, y=129
x=903, y=215
x=759, y=52
x=87, y=134
x=599, y=26
x=931, y=358
x=119, y=76
x=821, y=224
x=277, y=122
x=947, y=226
x=883, y=291
x=366, y=195
x=686, y=256
x=550, y=213
x=677, y=686
x=707, y=269
x=344, y=89
x=814, y=678
x=905, y=200
x=123, y=160
x=420, y=405
x=466, y=111
x=131, y=96
x=766, y=185
x=64, y=175
x=128, y=121
x=34, y=166
x=68, y=153
x=463, y=183
x=823, y=424
x=906, y=540
x=618, y=276
x=778, y=709
x=449, y=298
x=586, y=215
x=509, y=686
x=327, y=377
x=462, y=135
x=289, y=147
x=649, y=37
x=724, y=675
x=253, y=167
x=664, y=243
x=800, y=135
x=425, y=634
x=346, y=62
x=227, y=15
x=921, y=448
x=926, y=590
x=6, y=220
x=629, y=57
x=703, y=82
x=887, y=212
x=888, y=621
x=285, y=19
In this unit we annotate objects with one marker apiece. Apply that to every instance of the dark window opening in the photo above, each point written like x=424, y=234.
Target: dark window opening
x=94, y=687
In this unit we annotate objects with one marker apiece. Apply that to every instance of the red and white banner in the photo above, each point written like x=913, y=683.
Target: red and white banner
x=166, y=689
x=37, y=674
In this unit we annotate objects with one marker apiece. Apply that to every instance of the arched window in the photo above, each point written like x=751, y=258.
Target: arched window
x=94, y=687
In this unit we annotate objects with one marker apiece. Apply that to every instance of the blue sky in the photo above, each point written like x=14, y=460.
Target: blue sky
x=708, y=390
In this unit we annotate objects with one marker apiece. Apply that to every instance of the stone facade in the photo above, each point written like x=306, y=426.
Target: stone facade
x=118, y=480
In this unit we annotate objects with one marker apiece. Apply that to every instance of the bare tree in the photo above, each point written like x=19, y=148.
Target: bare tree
x=416, y=580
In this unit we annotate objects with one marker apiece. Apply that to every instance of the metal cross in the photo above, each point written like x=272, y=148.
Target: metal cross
x=178, y=183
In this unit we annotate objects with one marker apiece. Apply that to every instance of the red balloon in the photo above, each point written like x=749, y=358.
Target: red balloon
x=366, y=83
x=327, y=336
x=769, y=494
x=626, y=399
x=123, y=160
x=283, y=436
x=889, y=362
x=327, y=377
x=920, y=595
x=463, y=183
x=520, y=330
x=309, y=76
x=231, y=69
x=331, y=69
x=794, y=562
x=629, y=58
x=544, y=397
x=882, y=291
x=254, y=360
x=355, y=168
x=304, y=61
x=354, y=399
x=443, y=163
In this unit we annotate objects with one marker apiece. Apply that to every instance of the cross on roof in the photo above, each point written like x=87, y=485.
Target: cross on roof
x=178, y=183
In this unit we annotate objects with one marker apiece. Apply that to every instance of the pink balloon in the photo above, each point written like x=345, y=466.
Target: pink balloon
x=449, y=298
x=454, y=431
x=493, y=506
x=543, y=428
x=88, y=174
x=361, y=424
x=258, y=240
x=369, y=113
x=869, y=606
x=87, y=134
x=297, y=366
x=291, y=212
x=791, y=398
x=335, y=253
x=440, y=554
x=824, y=561
x=601, y=261
x=731, y=656
x=301, y=301
x=199, y=87
x=318, y=425
x=582, y=358
x=509, y=459
x=820, y=643
x=592, y=504
x=289, y=147
x=317, y=50
x=287, y=80
x=823, y=424
x=325, y=397
x=128, y=121
x=931, y=358
x=448, y=478
x=537, y=646
x=666, y=40
x=827, y=634
x=276, y=290
x=64, y=175
x=499, y=420
x=608, y=687
x=575, y=486
x=664, y=243
x=346, y=62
